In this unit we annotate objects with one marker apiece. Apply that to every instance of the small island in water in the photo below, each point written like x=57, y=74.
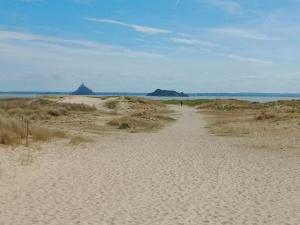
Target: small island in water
x=167, y=93
x=83, y=90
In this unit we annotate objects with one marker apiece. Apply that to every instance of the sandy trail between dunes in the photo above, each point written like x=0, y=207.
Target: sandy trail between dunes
x=179, y=175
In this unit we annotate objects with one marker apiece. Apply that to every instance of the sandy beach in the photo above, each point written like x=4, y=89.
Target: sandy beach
x=180, y=174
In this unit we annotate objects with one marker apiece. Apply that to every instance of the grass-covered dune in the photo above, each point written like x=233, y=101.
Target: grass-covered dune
x=142, y=114
x=77, y=117
x=22, y=119
x=267, y=125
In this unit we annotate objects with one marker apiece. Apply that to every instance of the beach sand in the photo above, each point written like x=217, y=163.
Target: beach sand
x=178, y=175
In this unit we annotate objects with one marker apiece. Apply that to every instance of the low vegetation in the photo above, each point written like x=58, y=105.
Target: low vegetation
x=111, y=104
x=51, y=118
x=144, y=115
x=40, y=109
x=13, y=132
x=272, y=124
x=15, y=113
x=79, y=139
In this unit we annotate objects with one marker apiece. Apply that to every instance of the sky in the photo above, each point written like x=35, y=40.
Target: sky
x=141, y=45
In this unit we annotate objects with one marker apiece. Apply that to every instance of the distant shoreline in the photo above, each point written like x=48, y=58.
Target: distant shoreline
x=253, y=97
x=222, y=94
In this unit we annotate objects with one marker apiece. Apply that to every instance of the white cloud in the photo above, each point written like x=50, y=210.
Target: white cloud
x=242, y=33
x=40, y=40
x=176, y=4
x=248, y=59
x=83, y=1
x=188, y=41
x=231, y=7
x=31, y=1
x=137, y=28
x=54, y=64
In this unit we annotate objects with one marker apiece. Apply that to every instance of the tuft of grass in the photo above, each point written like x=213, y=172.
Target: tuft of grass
x=57, y=112
x=77, y=107
x=124, y=126
x=44, y=134
x=145, y=115
x=9, y=137
x=111, y=104
x=78, y=139
x=41, y=108
x=134, y=124
x=264, y=116
x=141, y=121
x=226, y=128
x=11, y=131
x=230, y=105
x=251, y=119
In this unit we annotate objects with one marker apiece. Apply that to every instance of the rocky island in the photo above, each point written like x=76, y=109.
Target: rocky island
x=83, y=90
x=167, y=93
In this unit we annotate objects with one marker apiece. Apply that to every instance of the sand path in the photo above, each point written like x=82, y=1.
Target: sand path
x=179, y=175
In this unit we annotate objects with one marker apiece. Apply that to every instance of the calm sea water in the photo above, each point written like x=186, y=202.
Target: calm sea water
x=256, y=97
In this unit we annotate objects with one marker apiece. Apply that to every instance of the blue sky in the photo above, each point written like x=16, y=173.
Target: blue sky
x=138, y=46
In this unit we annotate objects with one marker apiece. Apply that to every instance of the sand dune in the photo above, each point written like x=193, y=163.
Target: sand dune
x=90, y=101
x=179, y=175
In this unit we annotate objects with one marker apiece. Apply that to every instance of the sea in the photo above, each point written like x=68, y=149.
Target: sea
x=253, y=97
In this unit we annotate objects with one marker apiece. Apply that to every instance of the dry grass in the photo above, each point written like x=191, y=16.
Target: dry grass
x=264, y=116
x=51, y=119
x=140, y=123
x=40, y=109
x=128, y=122
x=45, y=134
x=14, y=113
x=111, y=104
x=78, y=139
x=262, y=124
x=145, y=115
x=13, y=132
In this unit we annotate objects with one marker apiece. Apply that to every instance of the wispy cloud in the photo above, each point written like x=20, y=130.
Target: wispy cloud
x=76, y=1
x=247, y=59
x=242, y=33
x=176, y=4
x=83, y=1
x=135, y=27
x=227, y=6
x=31, y=1
x=23, y=39
x=61, y=64
x=188, y=41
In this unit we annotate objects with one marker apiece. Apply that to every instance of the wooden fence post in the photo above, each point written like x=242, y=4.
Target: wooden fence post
x=27, y=132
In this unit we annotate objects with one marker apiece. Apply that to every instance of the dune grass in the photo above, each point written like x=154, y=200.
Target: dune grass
x=45, y=134
x=238, y=118
x=15, y=112
x=11, y=132
x=140, y=122
x=40, y=109
x=79, y=139
x=14, y=132
x=145, y=115
x=48, y=118
x=244, y=118
x=111, y=104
